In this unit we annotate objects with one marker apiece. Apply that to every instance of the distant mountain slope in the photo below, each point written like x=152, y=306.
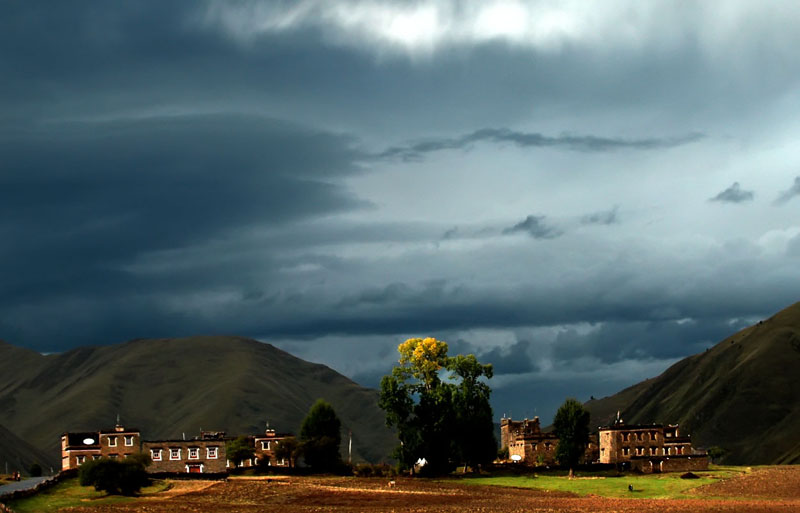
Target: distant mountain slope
x=742, y=394
x=19, y=454
x=167, y=387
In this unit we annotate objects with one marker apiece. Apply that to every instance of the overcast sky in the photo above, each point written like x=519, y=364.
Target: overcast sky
x=581, y=193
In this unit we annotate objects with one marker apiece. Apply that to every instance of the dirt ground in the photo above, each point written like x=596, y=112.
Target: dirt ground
x=763, y=490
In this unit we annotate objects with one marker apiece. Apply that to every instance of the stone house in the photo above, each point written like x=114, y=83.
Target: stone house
x=649, y=448
x=642, y=447
x=204, y=454
x=77, y=448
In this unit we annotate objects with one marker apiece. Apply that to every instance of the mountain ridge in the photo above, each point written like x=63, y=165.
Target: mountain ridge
x=742, y=394
x=167, y=387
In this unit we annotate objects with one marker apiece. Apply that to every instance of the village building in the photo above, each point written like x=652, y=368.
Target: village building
x=527, y=442
x=77, y=448
x=203, y=455
x=649, y=448
x=265, y=448
x=643, y=447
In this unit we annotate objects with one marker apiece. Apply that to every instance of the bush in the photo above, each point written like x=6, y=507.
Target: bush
x=116, y=477
x=369, y=470
x=35, y=470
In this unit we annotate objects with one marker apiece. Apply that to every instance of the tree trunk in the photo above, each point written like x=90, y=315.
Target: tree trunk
x=571, y=473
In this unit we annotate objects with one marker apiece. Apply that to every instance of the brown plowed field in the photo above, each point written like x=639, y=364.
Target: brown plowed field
x=763, y=490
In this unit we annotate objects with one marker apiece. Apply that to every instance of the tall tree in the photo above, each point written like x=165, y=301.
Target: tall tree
x=441, y=422
x=287, y=449
x=239, y=449
x=474, y=436
x=571, y=425
x=320, y=437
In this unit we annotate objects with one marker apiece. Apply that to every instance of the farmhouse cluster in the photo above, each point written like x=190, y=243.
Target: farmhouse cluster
x=202, y=454
x=648, y=448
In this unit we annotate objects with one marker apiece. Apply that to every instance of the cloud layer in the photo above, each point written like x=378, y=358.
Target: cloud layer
x=538, y=184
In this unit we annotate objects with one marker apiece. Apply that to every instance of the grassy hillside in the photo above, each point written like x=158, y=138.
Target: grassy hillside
x=167, y=387
x=20, y=455
x=742, y=394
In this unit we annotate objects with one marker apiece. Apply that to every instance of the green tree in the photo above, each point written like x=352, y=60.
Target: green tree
x=288, y=449
x=239, y=449
x=35, y=470
x=571, y=425
x=116, y=477
x=716, y=453
x=320, y=437
x=474, y=435
x=443, y=422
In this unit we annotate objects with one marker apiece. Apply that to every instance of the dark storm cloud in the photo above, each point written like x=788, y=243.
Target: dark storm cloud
x=611, y=296
x=617, y=341
x=603, y=217
x=734, y=194
x=81, y=199
x=534, y=226
x=415, y=151
x=789, y=193
x=513, y=359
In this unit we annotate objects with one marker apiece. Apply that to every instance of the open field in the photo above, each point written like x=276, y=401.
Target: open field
x=759, y=490
x=659, y=486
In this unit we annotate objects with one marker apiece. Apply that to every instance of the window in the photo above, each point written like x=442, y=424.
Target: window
x=653, y=435
x=155, y=454
x=112, y=441
x=128, y=440
x=639, y=451
x=626, y=451
x=211, y=453
x=80, y=459
x=653, y=451
x=626, y=436
x=264, y=446
x=194, y=453
x=113, y=456
x=174, y=454
x=639, y=436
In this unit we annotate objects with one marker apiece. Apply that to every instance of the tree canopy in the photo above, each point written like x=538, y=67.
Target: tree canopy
x=320, y=437
x=239, y=449
x=571, y=425
x=446, y=422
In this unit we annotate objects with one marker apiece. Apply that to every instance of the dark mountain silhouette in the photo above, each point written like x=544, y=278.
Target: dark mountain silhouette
x=167, y=387
x=743, y=394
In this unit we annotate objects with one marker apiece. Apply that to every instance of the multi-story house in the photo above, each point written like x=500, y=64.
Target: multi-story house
x=119, y=442
x=649, y=448
x=204, y=454
x=643, y=447
x=527, y=442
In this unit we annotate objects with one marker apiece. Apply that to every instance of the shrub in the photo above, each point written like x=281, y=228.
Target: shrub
x=35, y=470
x=369, y=470
x=116, y=477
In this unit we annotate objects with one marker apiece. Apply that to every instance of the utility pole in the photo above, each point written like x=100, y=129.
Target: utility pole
x=350, y=448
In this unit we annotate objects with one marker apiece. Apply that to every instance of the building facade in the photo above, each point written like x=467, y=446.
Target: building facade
x=643, y=447
x=76, y=448
x=265, y=448
x=203, y=455
x=649, y=448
